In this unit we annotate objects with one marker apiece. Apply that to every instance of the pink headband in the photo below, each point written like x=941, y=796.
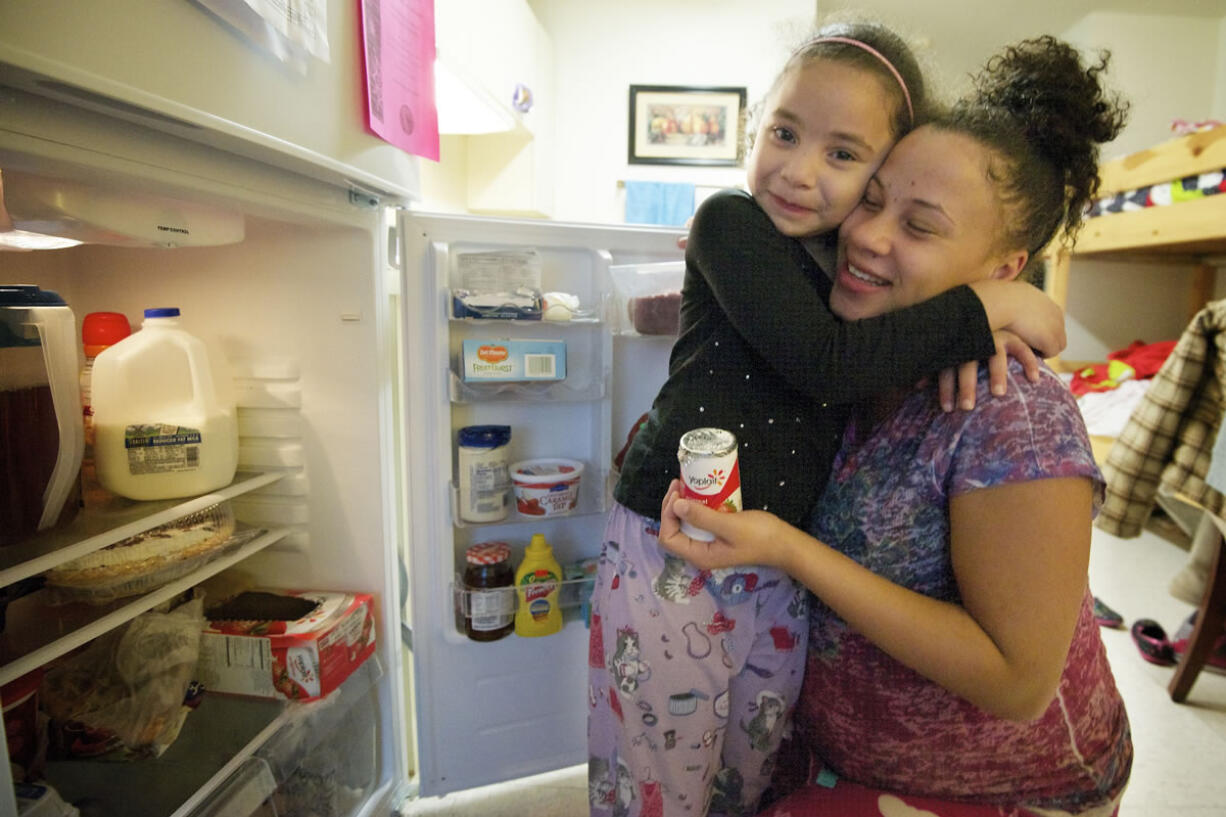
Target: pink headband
x=901, y=84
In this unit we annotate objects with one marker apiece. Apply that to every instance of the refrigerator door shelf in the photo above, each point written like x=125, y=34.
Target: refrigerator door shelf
x=573, y=595
x=592, y=500
x=576, y=270
x=586, y=315
x=557, y=391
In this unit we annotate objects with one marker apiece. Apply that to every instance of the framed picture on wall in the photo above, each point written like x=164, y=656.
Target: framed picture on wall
x=679, y=125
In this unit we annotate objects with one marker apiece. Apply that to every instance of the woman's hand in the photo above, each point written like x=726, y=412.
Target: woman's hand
x=1024, y=310
x=965, y=378
x=743, y=538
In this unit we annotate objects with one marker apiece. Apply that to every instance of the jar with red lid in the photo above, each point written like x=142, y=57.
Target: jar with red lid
x=489, y=582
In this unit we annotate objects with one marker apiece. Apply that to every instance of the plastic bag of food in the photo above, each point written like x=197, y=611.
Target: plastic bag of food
x=127, y=693
x=650, y=296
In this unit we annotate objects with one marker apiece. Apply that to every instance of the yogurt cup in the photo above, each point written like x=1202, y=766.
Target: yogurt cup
x=546, y=487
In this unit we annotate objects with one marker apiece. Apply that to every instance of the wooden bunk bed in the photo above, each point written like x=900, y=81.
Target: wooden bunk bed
x=1192, y=232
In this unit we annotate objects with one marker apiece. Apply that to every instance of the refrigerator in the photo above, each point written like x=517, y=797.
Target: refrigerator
x=335, y=315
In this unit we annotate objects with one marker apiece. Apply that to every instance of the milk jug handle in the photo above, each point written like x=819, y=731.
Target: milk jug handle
x=57, y=330
x=202, y=375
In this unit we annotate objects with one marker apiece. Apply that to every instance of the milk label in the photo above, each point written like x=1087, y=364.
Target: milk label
x=157, y=448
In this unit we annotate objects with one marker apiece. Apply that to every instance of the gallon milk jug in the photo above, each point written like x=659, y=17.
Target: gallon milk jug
x=538, y=585
x=164, y=418
x=41, y=438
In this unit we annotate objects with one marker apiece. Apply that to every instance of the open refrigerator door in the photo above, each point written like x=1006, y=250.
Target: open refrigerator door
x=493, y=710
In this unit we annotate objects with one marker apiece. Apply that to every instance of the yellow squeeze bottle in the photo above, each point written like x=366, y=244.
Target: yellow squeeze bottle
x=538, y=584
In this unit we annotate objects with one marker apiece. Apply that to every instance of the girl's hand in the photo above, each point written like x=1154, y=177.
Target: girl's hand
x=1008, y=345
x=1024, y=310
x=743, y=538
x=683, y=241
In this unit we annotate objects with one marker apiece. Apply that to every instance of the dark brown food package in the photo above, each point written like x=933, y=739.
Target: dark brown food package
x=656, y=314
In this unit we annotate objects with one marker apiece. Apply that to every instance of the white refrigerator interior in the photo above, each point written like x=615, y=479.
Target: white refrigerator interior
x=336, y=319
x=302, y=310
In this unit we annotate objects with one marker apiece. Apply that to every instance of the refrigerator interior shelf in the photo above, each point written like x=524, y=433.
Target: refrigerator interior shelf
x=556, y=391
x=588, y=504
x=37, y=631
x=95, y=528
x=232, y=753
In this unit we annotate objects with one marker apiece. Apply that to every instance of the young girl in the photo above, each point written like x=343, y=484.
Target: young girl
x=954, y=661
x=680, y=658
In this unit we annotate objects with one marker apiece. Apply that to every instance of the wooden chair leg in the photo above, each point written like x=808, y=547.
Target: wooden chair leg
x=1210, y=620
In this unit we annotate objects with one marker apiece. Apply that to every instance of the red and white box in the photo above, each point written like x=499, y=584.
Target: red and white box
x=263, y=653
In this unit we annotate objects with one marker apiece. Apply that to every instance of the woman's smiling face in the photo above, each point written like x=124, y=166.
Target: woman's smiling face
x=825, y=130
x=929, y=220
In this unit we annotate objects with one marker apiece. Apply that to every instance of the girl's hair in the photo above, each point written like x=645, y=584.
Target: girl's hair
x=890, y=47
x=1042, y=114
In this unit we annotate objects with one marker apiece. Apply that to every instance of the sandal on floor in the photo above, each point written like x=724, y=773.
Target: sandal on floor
x=1105, y=616
x=1152, y=643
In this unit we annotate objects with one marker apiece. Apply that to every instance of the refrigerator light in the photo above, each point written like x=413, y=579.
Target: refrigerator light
x=85, y=214
x=25, y=240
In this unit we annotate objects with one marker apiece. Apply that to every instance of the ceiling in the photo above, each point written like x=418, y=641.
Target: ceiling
x=963, y=33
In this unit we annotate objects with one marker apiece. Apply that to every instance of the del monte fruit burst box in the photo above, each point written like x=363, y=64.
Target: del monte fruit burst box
x=493, y=360
x=295, y=644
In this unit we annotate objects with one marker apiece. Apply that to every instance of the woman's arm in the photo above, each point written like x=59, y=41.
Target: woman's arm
x=758, y=278
x=1022, y=575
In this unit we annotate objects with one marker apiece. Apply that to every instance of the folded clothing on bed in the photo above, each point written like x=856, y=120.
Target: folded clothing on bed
x=1157, y=195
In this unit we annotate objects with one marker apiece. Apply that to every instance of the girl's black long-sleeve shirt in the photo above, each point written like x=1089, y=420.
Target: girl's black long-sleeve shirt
x=760, y=354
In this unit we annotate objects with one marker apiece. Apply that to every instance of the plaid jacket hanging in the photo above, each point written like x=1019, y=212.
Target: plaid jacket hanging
x=1168, y=440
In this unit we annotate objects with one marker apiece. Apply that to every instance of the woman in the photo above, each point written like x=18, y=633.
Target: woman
x=953, y=653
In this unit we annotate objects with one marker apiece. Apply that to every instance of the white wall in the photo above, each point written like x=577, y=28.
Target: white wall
x=1167, y=67
x=602, y=48
x=1219, y=96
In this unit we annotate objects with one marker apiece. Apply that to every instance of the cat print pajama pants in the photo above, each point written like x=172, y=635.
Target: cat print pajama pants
x=693, y=676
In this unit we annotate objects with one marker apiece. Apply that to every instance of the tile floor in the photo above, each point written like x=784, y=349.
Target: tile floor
x=1180, y=766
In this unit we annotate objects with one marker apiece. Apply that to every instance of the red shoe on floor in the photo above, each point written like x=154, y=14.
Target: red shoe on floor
x=1105, y=616
x=1216, y=662
x=1152, y=643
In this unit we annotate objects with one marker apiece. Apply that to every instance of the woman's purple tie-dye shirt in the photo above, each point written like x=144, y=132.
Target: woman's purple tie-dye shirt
x=877, y=722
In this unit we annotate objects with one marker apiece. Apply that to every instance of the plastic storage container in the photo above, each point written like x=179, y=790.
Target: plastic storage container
x=99, y=330
x=546, y=487
x=41, y=437
x=164, y=417
x=485, y=483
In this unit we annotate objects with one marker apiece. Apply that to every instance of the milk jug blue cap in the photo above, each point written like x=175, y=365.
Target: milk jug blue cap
x=162, y=312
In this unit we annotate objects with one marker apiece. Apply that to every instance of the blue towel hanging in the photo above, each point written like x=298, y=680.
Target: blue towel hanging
x=664, y=203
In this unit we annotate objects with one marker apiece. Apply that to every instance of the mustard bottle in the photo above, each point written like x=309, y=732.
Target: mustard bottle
x=538, y=583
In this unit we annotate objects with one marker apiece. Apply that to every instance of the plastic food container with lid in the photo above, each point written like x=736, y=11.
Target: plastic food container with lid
x=546, y=487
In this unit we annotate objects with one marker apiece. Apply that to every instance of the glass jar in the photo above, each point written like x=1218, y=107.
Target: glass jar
x=489, y=581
